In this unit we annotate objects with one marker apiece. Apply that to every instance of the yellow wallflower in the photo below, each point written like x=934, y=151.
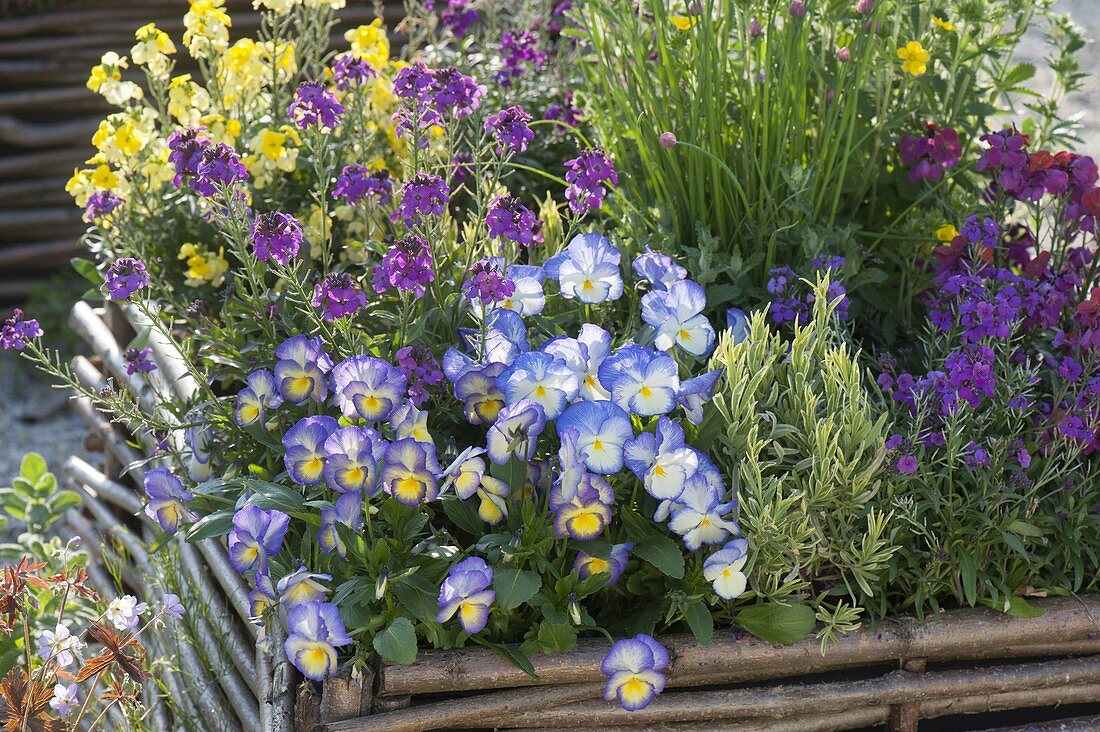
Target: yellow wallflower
x=156, y=171
x=187, y=101
x=272, y=150
x=203, y=266
x=914, y=58
x=207, y=28
x=370, y=43
x=103, y=178
x=947, y=232
x=127, y=140
x=106, y=79
x=943, y=24
x=281, y=7
x=152, y=50
x=684, y=22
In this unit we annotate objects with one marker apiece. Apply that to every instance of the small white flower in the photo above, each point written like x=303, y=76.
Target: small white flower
x=123, y=612
x=64, y=698
x=59, y=646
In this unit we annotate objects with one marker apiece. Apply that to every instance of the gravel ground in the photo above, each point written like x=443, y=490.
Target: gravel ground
x=34, y=417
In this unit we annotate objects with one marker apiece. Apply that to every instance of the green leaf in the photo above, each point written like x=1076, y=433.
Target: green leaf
x=86, y=269
x=397, y=643
x=417, y=594
x=1025, y=529
x=218, y=523
x=64, y=500
x=663, y=553
x=557, y=637
x=464, y=515
x=968, y=569
x=701, y=622
x=775, y=623
x=33, y=467
x=515, y=587
x=270, y=496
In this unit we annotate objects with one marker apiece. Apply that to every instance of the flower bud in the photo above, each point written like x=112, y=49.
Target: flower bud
x=754, y=28
x=797, y=9
x=381, y=583
x=865, y=7
x=844, y=55
x=668, y=140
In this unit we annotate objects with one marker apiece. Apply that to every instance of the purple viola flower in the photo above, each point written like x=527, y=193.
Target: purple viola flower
x=602, y=430
x=508, y=218
x=409, y=471
x=425, y=194
x=301, y=368
x=260, y=597
x=300, y=586
x=511, y=130
x=696, y=392
x=100, y=205
x=587, y=270
x=349, y=69
x=304, y=446
x=737, y=322
x=219, y=166
x=516, y=431
x=659, y=270
x=368, y=388
x=167, y=499
x=485, y=283
x=480, y=397
x=407, y=266
x=256, y=537
x=422, y=372
x=351, y=459
x=125, y=276
x=16, y=332
x=542, y=378
x=348, y=511
x=257, y=398
x=635, y=671
x=185, y=149
x=581, y=508
x=357, y=182
x=139, y=360
x=723, y=569
x=588, y=176
x=466, y=592
x=314, y=632
x=276, y=235
x=588, y=565
x=314, y=106
x=338, y=296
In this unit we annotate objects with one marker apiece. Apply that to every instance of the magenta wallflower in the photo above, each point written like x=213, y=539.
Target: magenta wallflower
x=907, y=464
x=185, y=148
x=314, y=105
x=139, y=360
x=125, y=277
x=407, y=266
x=219, y=166
x=588, y=175
x=930, y=154
x=338, y=296
x=357, y=182
x=425, y=194
x=511, y=129
x=276, y=235
x=17, y=332
x=487, y=284
x=510, y=219
x=421, y=371
x=100, y=205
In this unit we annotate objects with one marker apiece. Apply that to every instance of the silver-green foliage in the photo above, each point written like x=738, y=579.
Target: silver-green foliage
x=801, y=439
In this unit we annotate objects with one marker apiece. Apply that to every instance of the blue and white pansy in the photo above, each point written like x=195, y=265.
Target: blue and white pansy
x=723, y=569
x=641, y=381
x=662, y=460
x=368, y=388
x=304, y=449
x=699, y=516
x=588, y=270
x=602, y=430
x=541, y=378
x=676, y=314
x=635, y=670
x=659, y=270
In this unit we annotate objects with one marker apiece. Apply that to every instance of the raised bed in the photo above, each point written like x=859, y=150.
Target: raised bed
x=891, y=672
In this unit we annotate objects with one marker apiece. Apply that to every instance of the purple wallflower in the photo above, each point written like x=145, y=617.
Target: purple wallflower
x=510, y=129
x=349, y=69
x=588, y=175
x=357, y=182
x=564, y=111
x=314, y=632
x=218, y=166
x=455, y=94
x=930, y=154
x=100, y=205
x=304, y=446
x=314, y=105
x=510, y=219
x=276, y=235
x=338, y=296
x=167, y=499
x=185, y=148
x=257, y=535
x=519, y=52
x=486, y=284
x=635, y=671
x=17, y=332
x=125, y=276
x=466, y=592
x=406, y=266
x=907, y=464
x=139, y=360
x=458, y=17
x=424, y=194
x=421, y=370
